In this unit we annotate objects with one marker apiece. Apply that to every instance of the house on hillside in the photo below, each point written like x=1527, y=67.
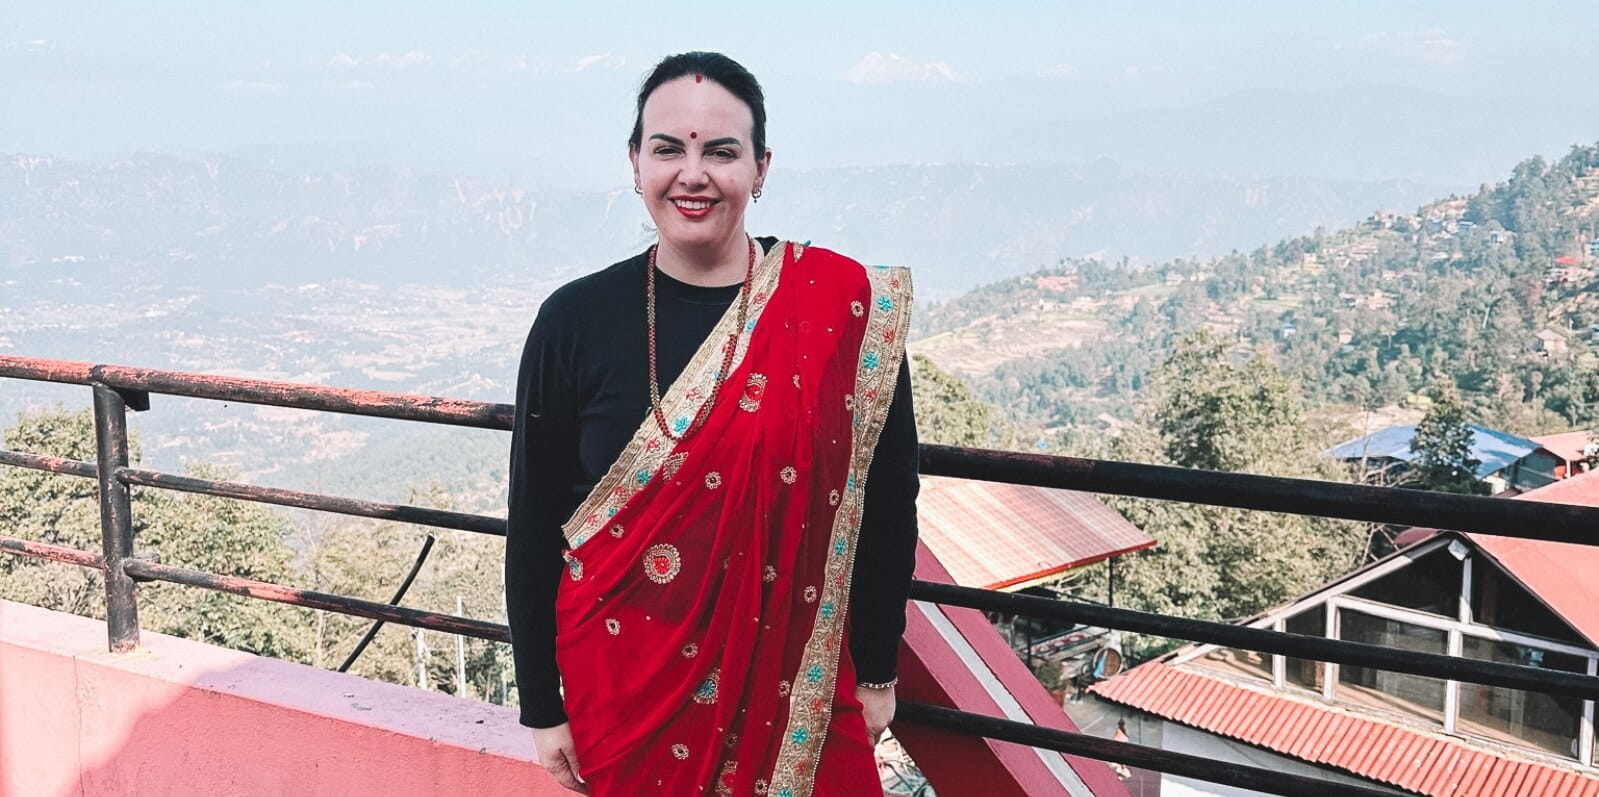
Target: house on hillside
x=1574, y=450
x=1056, y=283
x=1484, y=597
x=1507, y=462
x=1549, y=343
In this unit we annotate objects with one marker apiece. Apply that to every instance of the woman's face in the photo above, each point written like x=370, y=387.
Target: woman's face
x=696, y=163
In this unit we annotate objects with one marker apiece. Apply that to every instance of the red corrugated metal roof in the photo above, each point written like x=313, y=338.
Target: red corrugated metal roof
x=1431, y=764
x=994, y=535
x=1561, y=574
x=1566, y=445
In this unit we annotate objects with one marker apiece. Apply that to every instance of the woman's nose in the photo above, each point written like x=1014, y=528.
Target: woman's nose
x=694, y=172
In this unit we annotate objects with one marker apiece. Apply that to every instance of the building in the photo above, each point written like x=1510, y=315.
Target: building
x=1507, y=462
x=1499, y=599
x=1575, y=450
x=1549, y=343
x=1015, y=537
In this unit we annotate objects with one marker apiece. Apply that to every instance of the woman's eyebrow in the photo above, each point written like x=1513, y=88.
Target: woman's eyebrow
x=719, y=142
x=673, y=140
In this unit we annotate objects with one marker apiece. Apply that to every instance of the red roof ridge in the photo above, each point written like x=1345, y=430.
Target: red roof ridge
x=1556, y=573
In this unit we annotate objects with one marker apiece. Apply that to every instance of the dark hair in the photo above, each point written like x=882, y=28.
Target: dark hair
x=726, y=72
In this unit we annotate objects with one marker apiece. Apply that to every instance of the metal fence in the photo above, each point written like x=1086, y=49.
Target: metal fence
x=117, y=389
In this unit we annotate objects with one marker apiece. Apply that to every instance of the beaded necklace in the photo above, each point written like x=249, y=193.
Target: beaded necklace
x=727, y=348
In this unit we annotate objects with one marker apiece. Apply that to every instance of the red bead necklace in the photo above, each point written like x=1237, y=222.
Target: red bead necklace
x=727, y=348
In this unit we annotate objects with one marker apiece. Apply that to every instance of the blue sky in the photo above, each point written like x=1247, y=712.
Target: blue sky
x=96, y=78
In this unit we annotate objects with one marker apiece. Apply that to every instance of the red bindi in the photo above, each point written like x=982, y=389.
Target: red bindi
x=699, y=78
x=693, y=134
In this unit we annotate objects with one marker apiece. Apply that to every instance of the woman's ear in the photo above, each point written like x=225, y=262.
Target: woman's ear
x=762, y=165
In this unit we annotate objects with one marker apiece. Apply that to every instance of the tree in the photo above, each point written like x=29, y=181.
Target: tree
x=1212, y=562
x=947, y=413
x=330, y=553
x=1215, y=415
x=1442, y=443
x=181, y=529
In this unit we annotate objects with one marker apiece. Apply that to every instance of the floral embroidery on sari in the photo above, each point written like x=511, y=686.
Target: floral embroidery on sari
x=754, y=390
x=756, y=574
x=662, y=563
x=810, y=707
x=643, y=455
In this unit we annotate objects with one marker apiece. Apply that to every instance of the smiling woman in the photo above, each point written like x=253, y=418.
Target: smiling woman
x=701, y=162
x=712, y=518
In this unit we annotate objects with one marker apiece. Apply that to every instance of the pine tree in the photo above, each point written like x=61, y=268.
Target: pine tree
x=1214, y=562
x=1442, y=444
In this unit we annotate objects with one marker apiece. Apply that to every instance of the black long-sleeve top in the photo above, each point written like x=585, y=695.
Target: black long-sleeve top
x=583, y=389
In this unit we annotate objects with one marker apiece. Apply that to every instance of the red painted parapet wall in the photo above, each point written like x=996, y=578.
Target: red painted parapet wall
x=181, y=718
x=176, y=717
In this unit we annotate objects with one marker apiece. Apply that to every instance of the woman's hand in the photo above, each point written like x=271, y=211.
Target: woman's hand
x=555, y=752
x=878, y=707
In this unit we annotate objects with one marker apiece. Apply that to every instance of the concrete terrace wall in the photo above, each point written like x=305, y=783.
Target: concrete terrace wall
x=181, y=718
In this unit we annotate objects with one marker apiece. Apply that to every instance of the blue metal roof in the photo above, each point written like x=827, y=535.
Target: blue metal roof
x=1494, y=449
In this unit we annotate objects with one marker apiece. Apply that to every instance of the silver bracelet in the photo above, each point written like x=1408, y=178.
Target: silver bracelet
x=889, y=684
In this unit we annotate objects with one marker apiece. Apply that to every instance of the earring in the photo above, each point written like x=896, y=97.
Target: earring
x=755, y=195
x=638, y=190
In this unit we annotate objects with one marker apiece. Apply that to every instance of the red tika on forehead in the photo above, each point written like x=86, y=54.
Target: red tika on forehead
x=699, y=78
x=693, y=134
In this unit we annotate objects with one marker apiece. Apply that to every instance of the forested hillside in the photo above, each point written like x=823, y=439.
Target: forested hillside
x=1495, y=291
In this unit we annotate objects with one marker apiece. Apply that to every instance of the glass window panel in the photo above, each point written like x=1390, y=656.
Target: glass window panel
x=1499, y=601
x=1429, y=584
x=1307, y=673
x=1515, y=716
x=1414, y=695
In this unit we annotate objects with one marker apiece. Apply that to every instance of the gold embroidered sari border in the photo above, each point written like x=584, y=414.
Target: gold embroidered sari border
x=876, y=375
x=648, y=449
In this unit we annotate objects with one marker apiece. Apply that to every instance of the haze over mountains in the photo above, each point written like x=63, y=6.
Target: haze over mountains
x=394, y=223
x=223, y=221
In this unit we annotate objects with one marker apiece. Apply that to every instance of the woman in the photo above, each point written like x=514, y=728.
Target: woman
x=689, y=549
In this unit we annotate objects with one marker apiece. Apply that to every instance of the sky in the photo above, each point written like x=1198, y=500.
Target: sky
x=549, y=79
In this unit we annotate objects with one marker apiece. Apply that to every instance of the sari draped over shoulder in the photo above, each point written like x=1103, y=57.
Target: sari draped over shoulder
x=701, y=625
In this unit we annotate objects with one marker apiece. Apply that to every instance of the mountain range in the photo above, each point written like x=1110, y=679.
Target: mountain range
x=223, y=221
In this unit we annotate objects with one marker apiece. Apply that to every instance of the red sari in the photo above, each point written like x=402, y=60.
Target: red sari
x=701, y=634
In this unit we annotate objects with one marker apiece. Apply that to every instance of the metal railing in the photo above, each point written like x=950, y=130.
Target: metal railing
x=116, y=389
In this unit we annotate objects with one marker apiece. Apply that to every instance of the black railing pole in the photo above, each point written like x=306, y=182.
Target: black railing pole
x=1364, y=654
x=1535, y=520
x=399, y=595
x=116, y=518
x=1153, y=758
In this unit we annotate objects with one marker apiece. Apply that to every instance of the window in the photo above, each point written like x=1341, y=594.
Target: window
x=1307, y=673
x=1429, y=584
x=1414, y=695
x=1548, y=722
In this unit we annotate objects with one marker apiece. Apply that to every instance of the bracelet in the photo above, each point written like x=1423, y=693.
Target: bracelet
x=889, y=684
